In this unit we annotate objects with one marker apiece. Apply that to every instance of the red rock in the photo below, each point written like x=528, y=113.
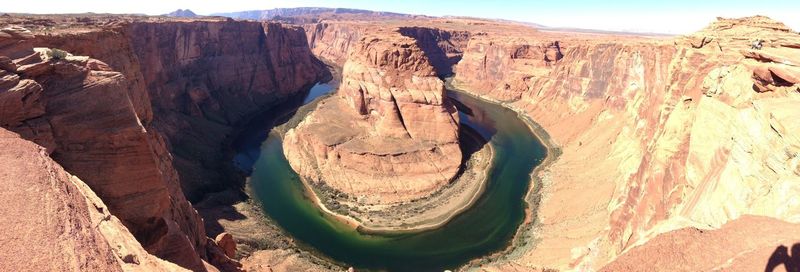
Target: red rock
x=397, y=138
x=98, y=118
x=7, y=64
x=332, y=41
x=15, y=32
x=745, y=244
x=226, y=242
x=35, y=69
x=787, y=73
x=782, y=56
x=57, y=223
x=19, y=102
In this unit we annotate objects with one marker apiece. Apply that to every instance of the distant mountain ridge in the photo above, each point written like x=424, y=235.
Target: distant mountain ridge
x=183, y=13
x=271, y=14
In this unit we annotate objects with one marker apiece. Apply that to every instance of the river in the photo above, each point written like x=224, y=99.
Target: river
x=486, y=227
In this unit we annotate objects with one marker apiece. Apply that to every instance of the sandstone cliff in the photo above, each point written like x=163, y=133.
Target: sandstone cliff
x=656, y=134
x=56, y=222
x=202, y=86
x=332, y=41
x=390, y=135
x=443, y=44
x=151, y=89
x=749, y=243
x=88, y=122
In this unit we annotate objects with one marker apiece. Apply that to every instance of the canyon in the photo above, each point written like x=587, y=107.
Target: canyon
x=142, y=121
x=661, y=149
x=391, y=133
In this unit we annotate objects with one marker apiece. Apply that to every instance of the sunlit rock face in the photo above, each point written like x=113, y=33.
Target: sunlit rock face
x=389, y=135
x=656, y=134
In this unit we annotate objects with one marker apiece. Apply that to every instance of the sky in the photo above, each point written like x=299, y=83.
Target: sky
x=674, y=17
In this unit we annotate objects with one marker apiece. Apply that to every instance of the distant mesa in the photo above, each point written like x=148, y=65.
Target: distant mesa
x=182, y=13
x=272, y=14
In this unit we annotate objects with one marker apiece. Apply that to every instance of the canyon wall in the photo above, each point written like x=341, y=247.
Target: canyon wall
x=390, y=135
x=56, y=223
x=202, y=85
x=149, y=90
x=444, y=48
x=332, y=40
x=656, y=134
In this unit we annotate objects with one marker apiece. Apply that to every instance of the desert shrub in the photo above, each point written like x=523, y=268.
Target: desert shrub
x=57, y=54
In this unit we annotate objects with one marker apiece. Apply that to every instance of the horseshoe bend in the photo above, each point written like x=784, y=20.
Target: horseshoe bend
x=334, y=139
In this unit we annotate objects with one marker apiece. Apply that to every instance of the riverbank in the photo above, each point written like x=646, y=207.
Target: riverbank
x=487, y=227
x=524, y=239
x=260, y=241
x=426, y=213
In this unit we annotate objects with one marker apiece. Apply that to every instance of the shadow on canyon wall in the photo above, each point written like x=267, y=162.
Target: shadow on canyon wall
x=243, y=150
x=443, y=48
x=781, y=257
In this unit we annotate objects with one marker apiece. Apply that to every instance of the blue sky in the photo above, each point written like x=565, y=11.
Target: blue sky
x=679, y=16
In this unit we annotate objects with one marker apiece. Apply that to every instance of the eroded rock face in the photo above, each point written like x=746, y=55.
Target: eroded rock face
x=150, y=91
x=506, y=67
x=749, y=243
x=57, y=223
x=444, y=48
x=201, y=85
x=390, y=135
x=666, y=133
x=332, y=40
x=103, y=141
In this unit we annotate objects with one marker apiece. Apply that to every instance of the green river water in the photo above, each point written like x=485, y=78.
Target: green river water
x=486, y=227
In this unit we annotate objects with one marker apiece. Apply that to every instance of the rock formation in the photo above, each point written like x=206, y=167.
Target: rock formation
x=666, y=133
x=201, y=87
x=749, y=243
x=103, y=141
x=150, y=90
x=443, y=44
x=656, y=134
x=444, y=48
x=661, y=139
x=390, y=135
x=54, y=222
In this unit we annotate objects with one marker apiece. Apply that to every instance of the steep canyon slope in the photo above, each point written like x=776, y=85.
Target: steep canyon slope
x=56, y=222
x=656, y=133
x=143, y=118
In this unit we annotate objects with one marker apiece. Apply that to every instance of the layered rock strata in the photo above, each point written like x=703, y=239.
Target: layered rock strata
x=443, y=43
x=748, y=243
x=390, y=135
x=103, y=141
x=56, y=222
x=151, y=89
x=202, y=86
x=656, y=134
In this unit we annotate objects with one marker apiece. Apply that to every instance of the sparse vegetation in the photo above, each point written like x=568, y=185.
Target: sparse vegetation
x=56, y=54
